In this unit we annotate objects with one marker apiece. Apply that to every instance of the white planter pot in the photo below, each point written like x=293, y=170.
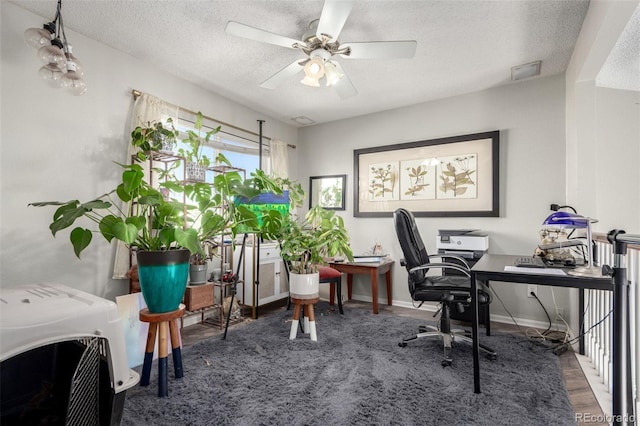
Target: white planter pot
x=195, y=172
x=304, y=286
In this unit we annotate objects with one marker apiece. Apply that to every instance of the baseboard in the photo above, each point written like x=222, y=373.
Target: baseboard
x=504, y=319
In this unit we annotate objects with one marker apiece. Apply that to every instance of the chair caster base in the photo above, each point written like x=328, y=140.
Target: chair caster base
x=446, y=363
x=492, y=357
x=402, y=344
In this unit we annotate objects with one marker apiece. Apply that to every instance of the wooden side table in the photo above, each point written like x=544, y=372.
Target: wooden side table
x=162, y=322
x=307, y=304
x=372, y=269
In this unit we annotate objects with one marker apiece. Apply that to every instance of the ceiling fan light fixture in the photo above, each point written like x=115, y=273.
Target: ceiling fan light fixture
x=310, y=81
x=332, y=74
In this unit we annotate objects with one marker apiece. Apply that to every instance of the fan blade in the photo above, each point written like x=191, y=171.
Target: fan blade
x=252, y=33
x=334, y=15
x=284, y=74
x=381, y=49
x=344, y=86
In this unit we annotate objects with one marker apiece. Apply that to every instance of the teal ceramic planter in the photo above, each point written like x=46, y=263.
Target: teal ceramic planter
x=163, y=278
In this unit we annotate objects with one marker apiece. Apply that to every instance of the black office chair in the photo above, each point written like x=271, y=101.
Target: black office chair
x=452, y=292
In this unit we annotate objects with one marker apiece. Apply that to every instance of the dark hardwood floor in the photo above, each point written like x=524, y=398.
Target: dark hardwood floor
x=580, y=392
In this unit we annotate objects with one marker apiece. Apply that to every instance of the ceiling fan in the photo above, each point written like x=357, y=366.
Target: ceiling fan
x=320, y=44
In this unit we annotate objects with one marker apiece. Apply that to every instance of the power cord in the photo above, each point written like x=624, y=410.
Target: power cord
x=558, y=338
x=542, y=338
x=575, y=339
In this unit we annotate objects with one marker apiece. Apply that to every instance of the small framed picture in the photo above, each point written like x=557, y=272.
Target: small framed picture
x=327, y=191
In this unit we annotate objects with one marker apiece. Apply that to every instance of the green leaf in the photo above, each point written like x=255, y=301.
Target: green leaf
x=131, y=180
x=123, y=194
x=48, y=203
x=80, y=238
x=65, y=216
x=106, y=226
x=188, y=239
x=126, y=232
x=96, y=204
x=138, y=221
x=173, y=186
x=166, y=236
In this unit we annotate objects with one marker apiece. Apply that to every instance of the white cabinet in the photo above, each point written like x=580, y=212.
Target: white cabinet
x=273, y=283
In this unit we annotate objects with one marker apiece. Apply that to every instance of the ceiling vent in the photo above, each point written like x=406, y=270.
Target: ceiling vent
x=303, y=120
x=529, y=70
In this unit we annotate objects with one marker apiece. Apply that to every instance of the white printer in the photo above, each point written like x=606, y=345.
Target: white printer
x=467, y=243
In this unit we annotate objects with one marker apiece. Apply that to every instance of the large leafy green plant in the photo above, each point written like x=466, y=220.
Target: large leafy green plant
x=307, y=243
x=151, y=221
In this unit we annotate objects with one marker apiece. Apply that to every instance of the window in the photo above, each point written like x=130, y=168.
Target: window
x=240, y=148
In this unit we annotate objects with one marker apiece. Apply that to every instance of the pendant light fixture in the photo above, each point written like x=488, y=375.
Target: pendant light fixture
x=62, y=68
x=38, y=37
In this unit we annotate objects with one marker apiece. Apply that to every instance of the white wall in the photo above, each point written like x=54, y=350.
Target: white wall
x=530, y=118
x=55, y=146
x=592, y=140
x=603, y=125
x=617, y=188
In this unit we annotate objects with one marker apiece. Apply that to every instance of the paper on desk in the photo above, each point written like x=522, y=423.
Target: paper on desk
x=536, y=271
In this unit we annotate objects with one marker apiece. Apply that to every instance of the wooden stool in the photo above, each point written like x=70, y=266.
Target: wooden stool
x=163, y=321
x=309, y=327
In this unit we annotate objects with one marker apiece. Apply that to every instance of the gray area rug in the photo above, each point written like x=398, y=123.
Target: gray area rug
x=356, y=374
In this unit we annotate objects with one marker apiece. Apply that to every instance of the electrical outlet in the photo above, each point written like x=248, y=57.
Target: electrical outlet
x=560, y=313
x=531, y=288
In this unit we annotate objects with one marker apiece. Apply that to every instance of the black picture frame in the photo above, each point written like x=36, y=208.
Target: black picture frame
x=455, y=176
x=329, y=191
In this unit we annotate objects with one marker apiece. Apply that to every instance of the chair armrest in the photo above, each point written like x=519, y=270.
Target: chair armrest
x=441, y=266
x=452, y=256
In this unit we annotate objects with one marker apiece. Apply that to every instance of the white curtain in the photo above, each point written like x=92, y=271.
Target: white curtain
x=279, y=158
x=147, y=109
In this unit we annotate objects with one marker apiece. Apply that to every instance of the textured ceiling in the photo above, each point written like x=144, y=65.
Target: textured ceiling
x=622, y=68
x=463, y=46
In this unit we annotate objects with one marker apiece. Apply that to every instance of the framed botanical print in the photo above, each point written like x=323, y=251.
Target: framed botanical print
x=454, y=176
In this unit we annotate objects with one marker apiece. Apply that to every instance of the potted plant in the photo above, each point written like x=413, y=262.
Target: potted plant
x=306, y=244
x=196, y=162
x=152, y=226
x=154, y=137
x=199, y=262
x=164, y=232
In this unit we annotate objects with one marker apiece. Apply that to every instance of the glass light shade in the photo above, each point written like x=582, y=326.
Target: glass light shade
x=53, y=54
x=52, y=74
x=72, y=81
x=314, y=68
x=310, y=81
x=38, y=37
x=332, y=74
